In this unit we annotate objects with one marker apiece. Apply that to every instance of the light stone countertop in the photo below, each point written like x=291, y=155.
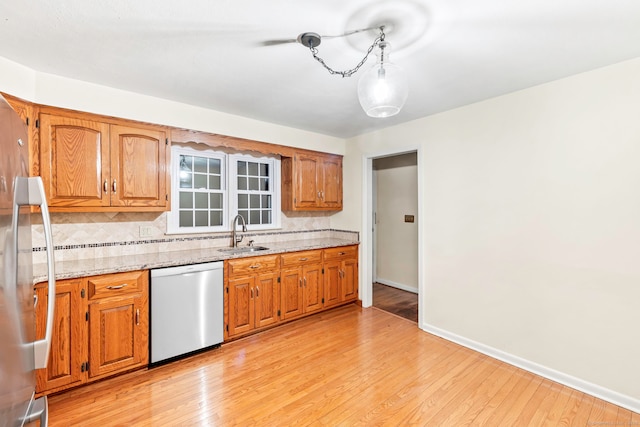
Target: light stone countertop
x=92, y=267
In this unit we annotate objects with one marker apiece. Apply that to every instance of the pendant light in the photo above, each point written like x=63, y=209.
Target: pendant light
x=383, y=90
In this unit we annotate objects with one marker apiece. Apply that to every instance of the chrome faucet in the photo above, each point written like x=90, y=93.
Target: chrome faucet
x=237, y=240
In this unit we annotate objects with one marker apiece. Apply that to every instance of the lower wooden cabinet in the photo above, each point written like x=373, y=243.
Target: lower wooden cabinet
x=252, y=291
x=264, y=290
x=101, y=328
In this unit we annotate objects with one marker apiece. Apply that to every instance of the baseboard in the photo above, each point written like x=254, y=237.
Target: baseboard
x=396, y=285
x=595, y=390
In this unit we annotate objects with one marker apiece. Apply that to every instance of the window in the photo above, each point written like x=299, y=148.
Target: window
x=210, y=188
x=254, y=187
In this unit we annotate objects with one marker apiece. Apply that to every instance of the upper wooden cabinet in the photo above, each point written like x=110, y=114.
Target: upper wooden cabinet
x=312, y=182
x=28, y=113
x=90, y=165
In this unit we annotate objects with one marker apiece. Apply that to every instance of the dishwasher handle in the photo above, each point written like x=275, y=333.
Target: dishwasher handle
x=186, y=269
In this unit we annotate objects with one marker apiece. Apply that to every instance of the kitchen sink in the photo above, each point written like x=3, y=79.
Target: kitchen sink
x=244, y=249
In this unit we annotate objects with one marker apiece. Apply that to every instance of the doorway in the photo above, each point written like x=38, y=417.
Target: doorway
x=395, y=234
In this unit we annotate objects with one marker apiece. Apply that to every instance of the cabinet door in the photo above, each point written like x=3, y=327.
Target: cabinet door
x=312, y=283
x=350, y=280
x=306, y=181
x=266, y=299
x=331, y=178
x=241, y=305
x=74, y=161
x=116, y=334
x=138, y=167
x=332, y=284
x=68, y=346
x=292, y=294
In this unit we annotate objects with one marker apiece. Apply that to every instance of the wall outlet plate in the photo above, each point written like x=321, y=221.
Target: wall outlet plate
x=409, y=218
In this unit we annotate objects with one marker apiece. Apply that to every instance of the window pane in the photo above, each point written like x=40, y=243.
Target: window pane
x=214, y=166
x=253, y=184
x=242, y=168
x=214, y=182
x=245, y=215
x=215, y=201
x=264, y=184
x=200, y=181
x=202, y=218
x=185, y=179
x=243, y=201
x=264, y=169
x=266, y=201
x=266, y=217
x=185, y=163
x=242, y=183
x=254, y=217
x=186, y=219
x=200, y=164
x=216, y=218
x=186, y=200
x=253, y=169
x=202, y=201
x=254, y=201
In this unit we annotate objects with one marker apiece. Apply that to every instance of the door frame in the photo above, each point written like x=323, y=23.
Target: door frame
x=367, y=240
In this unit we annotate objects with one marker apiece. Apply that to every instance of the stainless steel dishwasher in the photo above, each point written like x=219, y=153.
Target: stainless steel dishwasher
x=186, y=309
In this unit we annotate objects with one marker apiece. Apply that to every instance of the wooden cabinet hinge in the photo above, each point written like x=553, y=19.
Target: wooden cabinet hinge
x=27, y=120
x=323, y=300
x=82, y=293
x=166, y=141
x=322, y=270
x=37, y=123
x=166, y=197
x=227, y=289
x=227, y=328
x=86, y=316
x=278, y=312
x=278, y=279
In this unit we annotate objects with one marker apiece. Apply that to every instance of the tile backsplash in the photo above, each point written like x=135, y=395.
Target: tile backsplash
x=98, y=234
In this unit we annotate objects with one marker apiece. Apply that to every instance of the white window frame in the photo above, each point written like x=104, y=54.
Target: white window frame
x=274, y=167
x=229, y=163
x=173, y=218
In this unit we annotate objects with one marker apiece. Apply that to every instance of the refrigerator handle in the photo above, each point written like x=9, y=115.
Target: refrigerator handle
x=33, y=189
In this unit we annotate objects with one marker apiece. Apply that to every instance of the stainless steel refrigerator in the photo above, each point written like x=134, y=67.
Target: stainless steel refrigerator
x=20, y=353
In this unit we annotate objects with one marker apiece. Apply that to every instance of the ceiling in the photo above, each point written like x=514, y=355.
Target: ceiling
x=220, y=54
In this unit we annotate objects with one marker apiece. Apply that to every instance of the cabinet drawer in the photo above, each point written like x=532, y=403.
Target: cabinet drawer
x=343, y=252
x=113, y=285
x=295, y=259
x=253, y=265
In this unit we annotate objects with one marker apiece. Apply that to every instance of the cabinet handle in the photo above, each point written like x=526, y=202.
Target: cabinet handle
x=257, y=292
x=300, y=282
x=322, y=195
x=113, y=187
x=255, y=266
x=319, y=196
x=341, y=273
x=116, y=287
x=105, y=186
x=251, y=293
x=303, y=259
x=342, y=253
x=305, y=281
x=137, y=317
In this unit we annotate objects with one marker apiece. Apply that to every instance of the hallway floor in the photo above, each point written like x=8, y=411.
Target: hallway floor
x=396, y=301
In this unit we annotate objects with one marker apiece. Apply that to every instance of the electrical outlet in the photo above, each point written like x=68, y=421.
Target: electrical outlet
x=145, y=230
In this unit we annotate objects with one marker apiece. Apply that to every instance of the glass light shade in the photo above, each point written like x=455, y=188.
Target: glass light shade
x=383, y=89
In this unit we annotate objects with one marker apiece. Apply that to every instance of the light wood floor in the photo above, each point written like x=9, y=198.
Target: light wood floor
x=349, y=366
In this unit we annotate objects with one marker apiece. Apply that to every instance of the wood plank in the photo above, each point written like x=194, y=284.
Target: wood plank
x=347, y=366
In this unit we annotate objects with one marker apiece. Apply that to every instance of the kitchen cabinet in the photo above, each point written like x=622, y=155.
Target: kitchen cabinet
x=28, y=113
x=101, y=328
x=252, y=294
x=340, y=275
x=66, y=365
x=88, y=164
x=311, y=182
x=302, y=290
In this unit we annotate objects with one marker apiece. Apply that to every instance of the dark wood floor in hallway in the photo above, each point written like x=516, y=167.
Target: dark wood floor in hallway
x=348, y=366
x=396, y=301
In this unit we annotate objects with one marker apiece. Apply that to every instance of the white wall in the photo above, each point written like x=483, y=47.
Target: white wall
x=530, y=204
x=396, y=240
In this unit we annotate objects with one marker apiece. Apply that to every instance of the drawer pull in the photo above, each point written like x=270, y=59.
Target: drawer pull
x=303, y=259
x=113, y=187
x=116, y=287
x=342, y=253
x=137, y=317
x=105, y=187
x=255, y=266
